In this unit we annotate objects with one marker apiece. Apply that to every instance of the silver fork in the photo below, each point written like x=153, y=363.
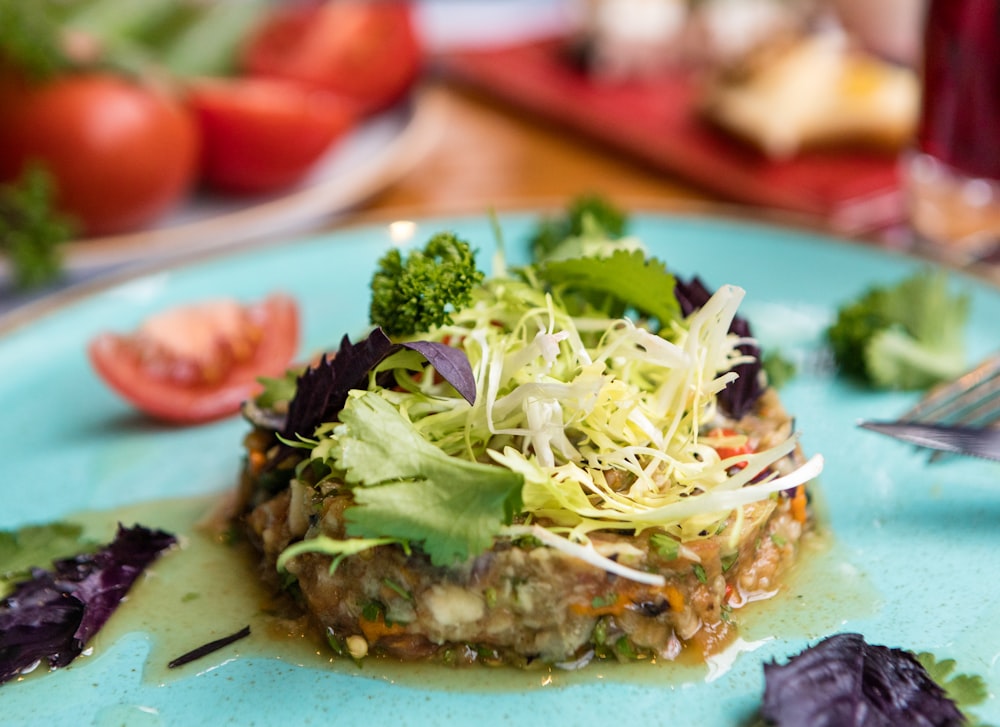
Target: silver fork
x=971, y=400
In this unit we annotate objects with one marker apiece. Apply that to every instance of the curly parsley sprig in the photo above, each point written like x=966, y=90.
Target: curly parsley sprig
x=418, y=292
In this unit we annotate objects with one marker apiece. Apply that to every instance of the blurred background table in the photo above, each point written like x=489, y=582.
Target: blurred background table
x=480, y=153
x=476, y=154
x=488, y=154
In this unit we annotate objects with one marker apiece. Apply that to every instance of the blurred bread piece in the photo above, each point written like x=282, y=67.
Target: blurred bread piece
x=814, y=91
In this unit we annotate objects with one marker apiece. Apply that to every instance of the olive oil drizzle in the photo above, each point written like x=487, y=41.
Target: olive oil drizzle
x=208, y=587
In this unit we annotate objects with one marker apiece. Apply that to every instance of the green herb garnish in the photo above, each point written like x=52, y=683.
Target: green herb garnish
x=779, y=369
x=965, y=690
x=604, y=601
x=593, y=211
x=31, y=232
x=904, y=336
x=665, y=545
x=37, y=546
x=409, y=489
x=397, y=588
x=420, y=292
x=30, y=40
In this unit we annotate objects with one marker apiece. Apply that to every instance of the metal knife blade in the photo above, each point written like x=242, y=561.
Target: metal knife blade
x=975, y=441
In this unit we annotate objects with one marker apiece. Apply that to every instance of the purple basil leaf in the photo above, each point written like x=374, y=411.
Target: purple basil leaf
x=845, y=682
x=54, y=614
x=451, y=363
x=321, y=391
x=37, y=622
x=103, y=587
x=739, y=397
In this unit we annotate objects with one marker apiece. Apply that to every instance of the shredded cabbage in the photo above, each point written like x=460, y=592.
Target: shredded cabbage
x=603, y=418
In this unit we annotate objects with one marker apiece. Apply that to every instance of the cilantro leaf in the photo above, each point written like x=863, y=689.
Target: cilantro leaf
x=411, y=490
x=625, y=277
x=591, y=211
x=277, y=389
x=965, y=690
x=779, y=369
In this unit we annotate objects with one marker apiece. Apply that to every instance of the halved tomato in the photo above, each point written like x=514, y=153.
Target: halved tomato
x=199, y=363
x=262, y=135
x=367, y=51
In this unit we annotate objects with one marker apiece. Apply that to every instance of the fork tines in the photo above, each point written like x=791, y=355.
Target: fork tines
x=971, y=400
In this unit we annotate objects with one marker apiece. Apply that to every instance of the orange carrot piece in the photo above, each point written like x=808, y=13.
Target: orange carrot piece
x=799, y=504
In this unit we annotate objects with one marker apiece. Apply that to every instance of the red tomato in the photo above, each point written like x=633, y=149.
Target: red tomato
x=122, y=152
x=368, y=51
x=261, y=135
x=199, y=363
x=727, y=451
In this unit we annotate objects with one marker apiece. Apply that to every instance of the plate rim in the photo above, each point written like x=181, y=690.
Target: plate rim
x=709, y=210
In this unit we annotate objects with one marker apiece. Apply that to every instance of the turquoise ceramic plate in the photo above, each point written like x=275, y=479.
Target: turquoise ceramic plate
x=912, y=561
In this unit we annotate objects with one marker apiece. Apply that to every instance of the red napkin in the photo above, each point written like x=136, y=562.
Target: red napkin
x=654, y=120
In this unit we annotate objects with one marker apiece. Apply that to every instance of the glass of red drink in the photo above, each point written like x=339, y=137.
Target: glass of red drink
x=953, y=174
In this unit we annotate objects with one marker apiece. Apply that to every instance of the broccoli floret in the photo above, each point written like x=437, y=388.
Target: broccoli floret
x=906, y=336
x=601, y=216
x=419, y=293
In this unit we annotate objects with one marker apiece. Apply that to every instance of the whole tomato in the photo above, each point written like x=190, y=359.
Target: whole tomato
x=367, y=51
x=261, y=135
x=121, y=151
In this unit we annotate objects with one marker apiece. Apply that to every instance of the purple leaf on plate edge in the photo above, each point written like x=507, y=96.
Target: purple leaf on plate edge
x=52, y=615
x=843, y=681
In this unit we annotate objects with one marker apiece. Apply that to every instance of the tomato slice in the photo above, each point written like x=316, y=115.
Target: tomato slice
x=199, y=363
x=263, y=135
x=368, y=51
